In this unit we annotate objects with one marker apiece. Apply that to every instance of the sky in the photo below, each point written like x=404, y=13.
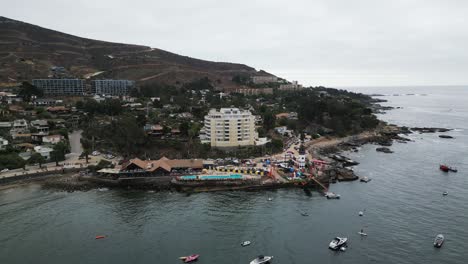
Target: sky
x=335, y=43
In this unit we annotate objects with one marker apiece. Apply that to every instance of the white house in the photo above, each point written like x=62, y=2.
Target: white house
x=44, y=151
x=52, y=139
x=3, y=143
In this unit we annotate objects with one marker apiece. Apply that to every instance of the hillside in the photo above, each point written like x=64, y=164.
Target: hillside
x=28, y=51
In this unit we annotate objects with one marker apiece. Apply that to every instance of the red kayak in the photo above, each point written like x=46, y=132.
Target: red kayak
x=100, y=237
x=444, y=168
x=190, y=258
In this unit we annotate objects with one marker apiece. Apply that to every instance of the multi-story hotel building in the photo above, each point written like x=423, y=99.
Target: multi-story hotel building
x=60, y=86
x=112, y=87
x=229, y=127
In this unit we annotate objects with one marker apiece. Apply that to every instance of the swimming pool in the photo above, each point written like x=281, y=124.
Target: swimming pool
x=213, y=177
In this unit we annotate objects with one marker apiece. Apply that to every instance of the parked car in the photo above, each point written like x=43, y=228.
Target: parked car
x=96, y=153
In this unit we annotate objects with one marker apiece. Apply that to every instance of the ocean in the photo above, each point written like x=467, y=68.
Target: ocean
x=403, y=206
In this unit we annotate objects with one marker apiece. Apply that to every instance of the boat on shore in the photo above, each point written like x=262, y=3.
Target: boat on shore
x=337, y=243
x=262, y=259
x=190, y=258
x=439, y=240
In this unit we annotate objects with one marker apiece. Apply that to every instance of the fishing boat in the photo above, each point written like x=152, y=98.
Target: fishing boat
x=445, y=193
x=439, y=240
x=361, y=213
x=338, y=243
x=190, y=258
x=262, y=259
x=245, y=243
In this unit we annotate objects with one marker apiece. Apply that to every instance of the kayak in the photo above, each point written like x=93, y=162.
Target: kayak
x=100, y=237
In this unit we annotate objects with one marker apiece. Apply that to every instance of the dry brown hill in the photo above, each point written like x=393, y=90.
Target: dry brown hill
x=28, y=51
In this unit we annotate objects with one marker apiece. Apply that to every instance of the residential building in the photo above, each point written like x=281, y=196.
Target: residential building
x=54, y=87
x=52, y=139
x=3, y=143
x=112, y=87
x=264, y=79
x=229, y=127
x=20, y=124
x=5, y=124
x=46, y=102
x=254, y=91
x=294, y=86
x=42, y=126
x=44, y=151
x=290, y=115
x=154, y=130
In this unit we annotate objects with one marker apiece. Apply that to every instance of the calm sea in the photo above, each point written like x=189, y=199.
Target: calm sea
x=403, y=208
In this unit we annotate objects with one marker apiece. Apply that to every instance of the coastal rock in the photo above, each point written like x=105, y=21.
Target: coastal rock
x=384, y=150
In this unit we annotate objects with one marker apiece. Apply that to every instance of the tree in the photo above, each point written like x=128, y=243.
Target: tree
x=27, y=91
x=58, y=154
x=37, y=158
x=87, y=145
x=184, y=128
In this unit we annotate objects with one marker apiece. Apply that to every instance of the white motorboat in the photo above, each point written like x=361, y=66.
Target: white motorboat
x=361, y=213
x=332, y=195
x=262, y=259
x=245, y=243
x=365, y=179
x=439, y=240
x=338, y=242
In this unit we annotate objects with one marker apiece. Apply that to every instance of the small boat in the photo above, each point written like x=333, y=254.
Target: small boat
x=337, y=243
x=362, y=233
x=361, y=213
x=446, y=168
x=245, y=243
x=270, y=199
x=445, y=193
x=439, y=240
x=365, y=179
x=261, y=259
x=100, y=237
x=190, y=258
x=304, y=214
x=332, y=195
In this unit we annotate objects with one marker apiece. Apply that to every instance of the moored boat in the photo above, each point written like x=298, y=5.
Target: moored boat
x=262, y=259
x=337, y=243
x=439, y=240
x=446, y=168
x=190, y=258
x=332, y=195
x=365, y=179
x=245, y=243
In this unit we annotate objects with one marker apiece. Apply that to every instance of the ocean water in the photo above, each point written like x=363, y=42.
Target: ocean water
x=403, y=208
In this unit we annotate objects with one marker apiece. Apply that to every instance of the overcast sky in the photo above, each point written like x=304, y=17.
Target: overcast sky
x=318, y=42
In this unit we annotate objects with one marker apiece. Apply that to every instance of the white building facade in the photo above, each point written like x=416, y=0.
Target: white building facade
x=229, y=127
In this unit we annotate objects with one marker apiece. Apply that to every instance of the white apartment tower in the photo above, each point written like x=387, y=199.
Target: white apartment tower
x=229, y=127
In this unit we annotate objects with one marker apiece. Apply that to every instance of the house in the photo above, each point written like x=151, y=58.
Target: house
x=290, y=115
x=42, y=126
x=154, y=130
x=52, y=139
x=58, y=109
x=5, y=124
x=20, y=124
x=44, y=151
x=281, y=130
x=161, y=167
x=3, y=143
x=46, y=102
